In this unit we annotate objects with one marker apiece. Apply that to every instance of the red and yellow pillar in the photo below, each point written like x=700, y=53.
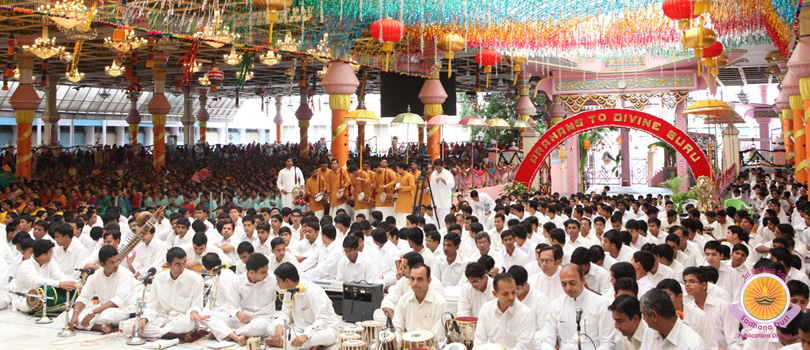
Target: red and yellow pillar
x=278, y=120
x=786, y=118
x=433, y=95
x=340, y=83
x=203, y=117
x=304, y=115
x=159, y=107
x=24, y=101
x=133, y=118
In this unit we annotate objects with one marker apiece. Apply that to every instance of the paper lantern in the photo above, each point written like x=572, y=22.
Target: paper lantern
x=488, y=58
x=215, y=76
x=587, y=144
x=387, y=31
x=681, y=11
x=699, y=38
x=450, y=43
x=714, y=50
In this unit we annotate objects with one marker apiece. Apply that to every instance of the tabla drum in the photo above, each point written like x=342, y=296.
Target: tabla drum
x=55, y=297
x=418, y=339
x=455, y=346
x=370, y=330
x=353, y=345
x=297, y=192
x=383, y=197
x=347, y=336
x=490, y=346
x=466, y=326
x=388, y=340
x=354, y=329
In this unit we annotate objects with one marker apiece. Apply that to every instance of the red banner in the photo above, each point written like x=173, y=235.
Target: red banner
x=620, y=118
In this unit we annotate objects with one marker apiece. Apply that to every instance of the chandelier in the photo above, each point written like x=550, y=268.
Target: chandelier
x=195, y=67
x=45, y=48
x=232, y=58
x=248, y=76
x=114, y=70
x=80, y=34
x=322, y=51
x=322, y=72
x=74, y=76
x=270, y=58
x=289, y=44
x=164, y=44
x=124, y=41
x=67, y=14
x=214, y=37
x=204, y=80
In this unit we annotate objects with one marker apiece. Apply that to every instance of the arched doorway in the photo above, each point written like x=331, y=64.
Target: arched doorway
x=605, y=118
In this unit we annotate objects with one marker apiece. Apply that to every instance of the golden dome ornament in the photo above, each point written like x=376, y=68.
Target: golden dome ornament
x=450, y=43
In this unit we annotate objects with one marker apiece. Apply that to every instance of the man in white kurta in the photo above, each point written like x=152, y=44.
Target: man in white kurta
x=441, y=184
x=665, y=330
x=114, y=290
x=481, y=204
x=531, y=297
x=476, y=292
x=69, y=253
x=38, y=271
x=422, y=308
x=289, y=178
x=403, y=286
x=596, y=321
x=355, y=266
x=280, y=254
x=548, y=279
x=505, y=321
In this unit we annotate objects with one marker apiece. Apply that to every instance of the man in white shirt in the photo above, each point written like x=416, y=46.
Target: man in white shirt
x=69, y=252
x=175, y=300
x=442, y=183
x=596, y=322
x=355, y=266
x=665, y=329
x=149, y=252
x=114, y=290
x=250, y=309
x=38, y=271
x=511, y=255
x=289, y=178
x=310, y=311
x=627, y=315
x=531, y=297
x=450, y=267
x=475, y=293
x=402, y=286
x=308, y=246
x=280, y=254
x=323, y=265
x=693, y=316
x=416, y=242
x=597, y=277
x=421, y=309
x=229, y=241
x=728, y=278
x=547, y=280
x=481, y=203
x=79, y=233
x=725, y=326
x=180, y=237
x=615, y=249
x=504, y=321
x=198, y=248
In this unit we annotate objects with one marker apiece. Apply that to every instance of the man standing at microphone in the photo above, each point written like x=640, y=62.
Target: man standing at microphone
x=579, y=306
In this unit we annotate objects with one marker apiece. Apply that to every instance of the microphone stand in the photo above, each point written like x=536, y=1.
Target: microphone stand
x=579, y=337
x=44, y=319
x=136, y=338
x=67, y=332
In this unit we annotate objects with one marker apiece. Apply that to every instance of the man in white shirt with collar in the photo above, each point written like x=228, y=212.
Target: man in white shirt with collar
x=421, y=309
x=312, y=313
x=476, y=292
x=597, y=277
x=114, y=291
x=280, y=254
x=627, y=315
x=37, y=271
x=665, y=329
x=181, y=236
x=481, y=203
x=442, y=183
x=532, y=297
x=693, y=316
x=69, y=253
x=728, y=278
x=198, y=248
x=597, y=325
x=416, y=242
x=498, y=226
x=573, y=240
x=309, y=245
x=402, y=286
x=79, y=233
x=229, y=241
x=324, y=264
x=511, y=255
x=547, y=280
x=450, y=267
x=356, y=266
x=615, y=250
x=725, y=326
x=504, y=321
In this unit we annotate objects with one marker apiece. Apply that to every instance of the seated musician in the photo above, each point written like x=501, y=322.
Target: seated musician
x=250, y=303
x=114, y=290
x=280, y=254
x=476, y=292
x=503, y=321
x=175, y=300
x=199, y=248
x=313, y=316
x=69, y=252
x=149, y=252
x=39, y=271
x=111, y=238
x=403, y=286
x=422, y=309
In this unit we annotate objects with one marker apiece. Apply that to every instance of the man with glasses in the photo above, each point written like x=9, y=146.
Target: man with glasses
x=477, y=292
x=547, y=280
x=693, y=317
x=354, y=266
x=726, y=327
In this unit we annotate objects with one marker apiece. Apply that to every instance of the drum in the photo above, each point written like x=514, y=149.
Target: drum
x=57, y=296
x=490, y=347
x=361, y=196
x=389, y=340
x=466, y=325
x=347, y=336
x=319, y=197
x=297, y=192
x=353, y=345
x=383, y=197
x=340, y=193
x=354, y=329
x=370, y=330
x=418, y=339
x=455, y=346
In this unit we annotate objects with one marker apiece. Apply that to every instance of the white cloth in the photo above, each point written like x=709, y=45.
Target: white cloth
x=171, y=298
x=118, y=288
x=512, y=329
x=696, y=319
x=680, y=337
x=287, y=180
x=598, y=280
x=470, y=300
x=174, y=240
x=442, y=191
x=323, y=264
x=151, y=255
x=596, y=323
x=196, y=259
x=518, y=257
x=288, y=257
x=255, y=299
x=538, y=303
x=725, y=326
x=70, y=259
x=411, y=315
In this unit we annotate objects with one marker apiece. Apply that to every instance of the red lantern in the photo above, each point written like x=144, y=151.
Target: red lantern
x=488, y=58
x=387, y=31
x=215, y=76
x=681, y=11
x=714, y=50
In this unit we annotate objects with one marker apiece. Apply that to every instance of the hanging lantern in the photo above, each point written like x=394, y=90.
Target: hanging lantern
x=215, y=76
x=699, y=38
x=681, y=11
x=587, y=144
x=271, y=9
x=619, y=140
x=562, y=153
x=450, y=43
x=488, y=58
x=714, y=50
x=517, y=61
x=387, y=31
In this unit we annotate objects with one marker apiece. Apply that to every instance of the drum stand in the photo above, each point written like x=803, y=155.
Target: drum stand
x=136, y=338
x=44, y=319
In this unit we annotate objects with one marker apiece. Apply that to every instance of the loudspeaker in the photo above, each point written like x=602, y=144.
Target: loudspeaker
x=360, y=299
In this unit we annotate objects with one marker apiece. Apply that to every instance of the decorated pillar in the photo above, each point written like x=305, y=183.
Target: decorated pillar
x=557, y=113
x=682, y=168
x=278, y=120
x=340, y=83
x=524, y=106
x=731, y=148
x=786, y=117
x=764, y=133
x=24, y=101
x=51, y=115
x=433, y=95
x=159, y=107
x=188, y=117
x=624, y=144
x=202, y=116
x=799, y=64
x=304, y=115
x=133, y=118
x=791, y=86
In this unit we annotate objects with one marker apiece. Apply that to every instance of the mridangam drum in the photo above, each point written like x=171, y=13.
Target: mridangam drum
x=56, y=296
x=490, y=347
x=389, y=340
x=466, y=325
x=342, y=337
x=353, y=345
x=418, y=339
x=361, y=196
x=370, y=330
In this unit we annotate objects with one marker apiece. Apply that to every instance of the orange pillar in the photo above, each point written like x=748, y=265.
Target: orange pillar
x=433, y=95
x=785, y=115
x=340, y=130
x=203, y=116
x=25, y=101
x=278, y=120
x=304, y=115
x=800, y=158
x=340, y=83
x=159, y=107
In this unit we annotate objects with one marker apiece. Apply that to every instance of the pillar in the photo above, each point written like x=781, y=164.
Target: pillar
x=120, y=136
x=149, y=136
x=103, y=132
x=573, y=174
x=134, y=117
x=203, y=116
x=361, y=140
x=262, y=135
x=72, y=133
x=304, y=115
x=433, y=95
x=24, y=101
x=625, y=161
x=38, y=126
x=159, y=107
x=764, y=133
x=785, y=117
x=51, y=116
x=557, y=113
x=278, y=120
x=90, y=135
x=242, y=136
x=524, y=106
x=731, y=148
x=340, y=83
x=791, y=86
x=188, y=118
x=682, y=168
x=799, y=65
x=223, y=136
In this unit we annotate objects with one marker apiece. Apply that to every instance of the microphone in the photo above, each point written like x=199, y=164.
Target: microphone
x=579, y=314
x=389, y=324
x=299, y=289
x=88, y=270
x=455, y=326
x=220, y=267
x=152, y=271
